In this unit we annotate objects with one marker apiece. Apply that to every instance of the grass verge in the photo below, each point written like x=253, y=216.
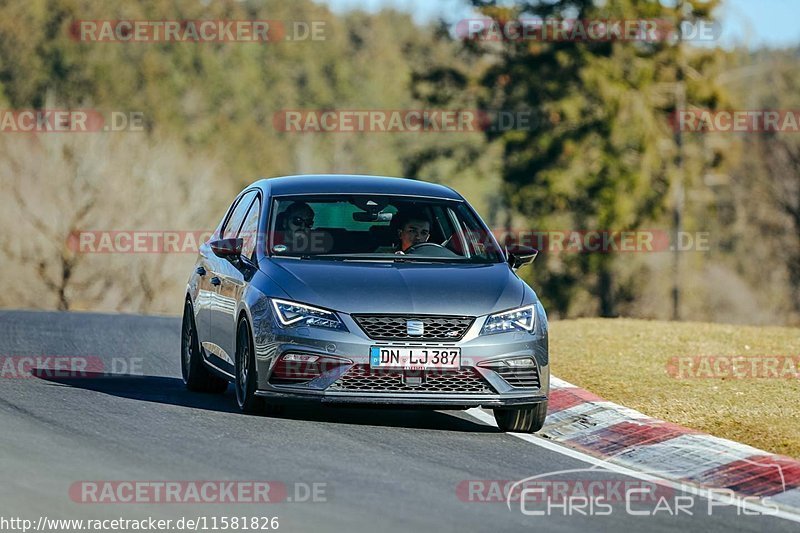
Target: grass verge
x=662, y=370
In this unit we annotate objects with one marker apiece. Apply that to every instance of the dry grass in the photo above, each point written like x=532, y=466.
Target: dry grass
x=57, y=185
x=626, y=361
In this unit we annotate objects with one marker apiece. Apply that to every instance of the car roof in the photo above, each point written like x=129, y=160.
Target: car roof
x=352, y=184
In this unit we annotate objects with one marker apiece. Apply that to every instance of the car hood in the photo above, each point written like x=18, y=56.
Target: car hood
x=424, y=288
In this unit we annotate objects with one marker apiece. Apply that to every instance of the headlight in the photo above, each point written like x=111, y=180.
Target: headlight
x=296, y=314
x=520, y=319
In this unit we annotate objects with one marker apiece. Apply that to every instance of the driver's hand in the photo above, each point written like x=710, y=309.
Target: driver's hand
x=399, y=252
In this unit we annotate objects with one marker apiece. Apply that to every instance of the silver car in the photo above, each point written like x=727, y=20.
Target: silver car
x=364, y=290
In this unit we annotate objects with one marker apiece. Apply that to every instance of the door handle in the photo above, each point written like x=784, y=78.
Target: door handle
x=216, y=281
x=201, y=271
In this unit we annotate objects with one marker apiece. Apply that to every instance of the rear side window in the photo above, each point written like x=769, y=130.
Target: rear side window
x=231, y=227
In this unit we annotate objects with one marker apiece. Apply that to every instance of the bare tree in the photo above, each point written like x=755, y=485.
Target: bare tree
x=782, y=159
x=62, y=184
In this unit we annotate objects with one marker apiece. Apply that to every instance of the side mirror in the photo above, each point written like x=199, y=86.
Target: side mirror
x=519, y=255
x=227, y=248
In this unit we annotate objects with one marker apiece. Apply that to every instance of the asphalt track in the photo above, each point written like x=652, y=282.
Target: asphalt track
x=382, y=470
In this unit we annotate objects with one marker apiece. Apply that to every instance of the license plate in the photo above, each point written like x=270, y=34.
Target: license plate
x=416, y=358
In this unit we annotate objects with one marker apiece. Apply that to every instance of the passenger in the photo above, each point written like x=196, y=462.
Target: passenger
x=293, y=227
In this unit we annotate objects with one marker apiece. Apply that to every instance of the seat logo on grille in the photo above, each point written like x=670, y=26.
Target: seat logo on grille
x=415, y=328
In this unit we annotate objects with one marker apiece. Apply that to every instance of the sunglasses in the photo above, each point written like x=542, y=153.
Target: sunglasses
x=300, y=221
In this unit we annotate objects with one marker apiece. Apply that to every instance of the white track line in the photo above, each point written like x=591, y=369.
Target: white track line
x=488, y=419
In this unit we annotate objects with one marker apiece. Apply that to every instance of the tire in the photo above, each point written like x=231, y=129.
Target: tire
x=246, y=373
x=196, y=376
x=524, y=420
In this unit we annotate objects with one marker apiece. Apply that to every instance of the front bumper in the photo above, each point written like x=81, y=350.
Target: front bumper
x=272, y=341
x=433, y=401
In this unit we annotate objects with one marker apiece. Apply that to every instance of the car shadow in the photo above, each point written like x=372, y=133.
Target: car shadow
x=171, y=391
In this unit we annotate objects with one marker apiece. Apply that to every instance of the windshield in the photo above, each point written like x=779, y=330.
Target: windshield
x=379, y=228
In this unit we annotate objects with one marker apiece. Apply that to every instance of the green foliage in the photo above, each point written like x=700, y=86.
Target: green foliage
x=220, y=98
x=601, y=155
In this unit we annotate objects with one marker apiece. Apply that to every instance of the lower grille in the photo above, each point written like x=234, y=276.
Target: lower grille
x=300, y=372
x=361, y=378
x=519, y=377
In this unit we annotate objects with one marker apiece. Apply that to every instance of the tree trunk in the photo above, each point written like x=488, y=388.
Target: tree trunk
x=605, y=291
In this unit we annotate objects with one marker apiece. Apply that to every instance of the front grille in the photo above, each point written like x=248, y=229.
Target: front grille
x=394, y=327
x=519, y=377
x=361, y=378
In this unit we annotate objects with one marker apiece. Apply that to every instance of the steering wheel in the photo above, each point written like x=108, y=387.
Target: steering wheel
x=421, y=245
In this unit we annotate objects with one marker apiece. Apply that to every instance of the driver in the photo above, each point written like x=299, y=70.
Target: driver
x=413, y=227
